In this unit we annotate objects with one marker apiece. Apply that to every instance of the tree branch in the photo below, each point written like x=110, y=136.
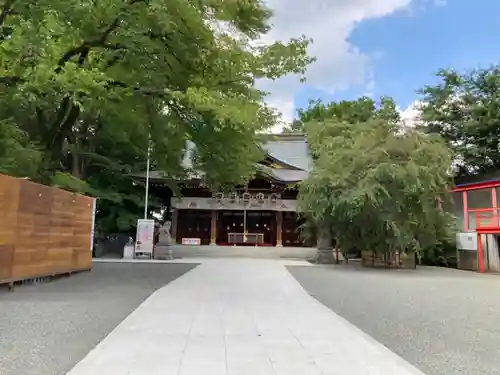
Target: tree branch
x=6, y=10
x=61, y=116
x=10, y=80
x=84, y=49
x=165, y=38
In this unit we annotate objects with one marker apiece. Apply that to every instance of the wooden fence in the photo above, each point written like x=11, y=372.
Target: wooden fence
x=44, y=231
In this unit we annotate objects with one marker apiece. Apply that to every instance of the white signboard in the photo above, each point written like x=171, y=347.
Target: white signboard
x=144, y=239
x=191, y=241
x=467, y=241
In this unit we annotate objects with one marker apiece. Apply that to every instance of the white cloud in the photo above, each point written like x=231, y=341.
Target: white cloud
x=411, y=115
x=339, y=63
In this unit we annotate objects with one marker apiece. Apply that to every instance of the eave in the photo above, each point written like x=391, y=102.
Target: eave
x=476, y=186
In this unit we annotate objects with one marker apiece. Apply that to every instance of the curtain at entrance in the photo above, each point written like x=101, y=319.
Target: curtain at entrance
x=291, y=233
x=256, y=222
x=193, y=224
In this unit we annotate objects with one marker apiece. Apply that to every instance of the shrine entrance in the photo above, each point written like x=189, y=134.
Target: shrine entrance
x=194, y=224
x=248, y=228
x=291, y=232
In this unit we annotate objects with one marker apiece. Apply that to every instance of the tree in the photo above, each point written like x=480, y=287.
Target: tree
x=352, y=111
x=70, y=68
x=375, y=187
x=93, y=85
x=465, y=110
x=18, y=156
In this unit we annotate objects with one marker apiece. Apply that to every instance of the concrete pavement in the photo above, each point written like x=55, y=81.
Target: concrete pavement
x=237, y=317
x=443, y=321
x=45, y=329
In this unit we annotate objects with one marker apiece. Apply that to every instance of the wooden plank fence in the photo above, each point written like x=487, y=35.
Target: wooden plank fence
x=44, y=231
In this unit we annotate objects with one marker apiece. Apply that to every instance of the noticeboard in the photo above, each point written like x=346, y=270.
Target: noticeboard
x=144, y=240
x=467, y=241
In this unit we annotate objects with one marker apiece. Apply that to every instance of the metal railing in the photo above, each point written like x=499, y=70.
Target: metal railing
x=242, y=238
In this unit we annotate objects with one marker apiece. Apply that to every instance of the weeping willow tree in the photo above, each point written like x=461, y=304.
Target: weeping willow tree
x=375, y=187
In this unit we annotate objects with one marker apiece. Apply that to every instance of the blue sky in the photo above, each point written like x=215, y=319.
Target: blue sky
x=397, y=49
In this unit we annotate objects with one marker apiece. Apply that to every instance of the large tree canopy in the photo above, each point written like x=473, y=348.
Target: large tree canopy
x=87, y=85
x=465, y=110
x=353, y=111
x=174, y=69
x=374, y=186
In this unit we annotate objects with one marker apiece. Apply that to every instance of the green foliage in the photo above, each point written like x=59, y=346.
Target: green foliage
x=94, y=83
x=307, y=231
x=442, y=254
x=350, y=111
x=376, y=186
x=69, y=182
x=139, y=60
x=465, y=110
x=18, y=157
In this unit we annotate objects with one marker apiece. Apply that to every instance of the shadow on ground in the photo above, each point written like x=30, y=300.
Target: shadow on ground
x=46, y=329
x=443, y=321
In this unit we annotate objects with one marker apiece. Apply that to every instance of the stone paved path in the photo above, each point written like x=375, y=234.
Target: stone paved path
x=238, y=317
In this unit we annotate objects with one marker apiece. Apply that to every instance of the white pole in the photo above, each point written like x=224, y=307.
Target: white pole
x=244, y=224
x=147, y=182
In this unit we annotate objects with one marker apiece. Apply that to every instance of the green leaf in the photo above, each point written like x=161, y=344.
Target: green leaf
x=375, y=185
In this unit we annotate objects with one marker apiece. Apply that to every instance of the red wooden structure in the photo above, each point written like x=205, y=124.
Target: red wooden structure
x=486, y=220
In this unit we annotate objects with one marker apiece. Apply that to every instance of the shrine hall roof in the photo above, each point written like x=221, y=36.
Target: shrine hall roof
x=288, y=150
x=284, y=175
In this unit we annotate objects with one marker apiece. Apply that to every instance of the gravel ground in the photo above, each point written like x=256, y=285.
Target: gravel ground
x=445, y=322
x=46, y=329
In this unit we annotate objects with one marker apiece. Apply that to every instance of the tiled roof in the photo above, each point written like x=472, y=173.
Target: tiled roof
x=290, y=149
x=282, y=174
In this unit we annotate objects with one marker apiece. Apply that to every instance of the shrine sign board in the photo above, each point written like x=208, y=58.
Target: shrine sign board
x=191, y=241
x=188, y=203
x=144, y=243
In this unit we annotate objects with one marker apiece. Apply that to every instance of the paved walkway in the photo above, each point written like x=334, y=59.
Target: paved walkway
x=238, y=317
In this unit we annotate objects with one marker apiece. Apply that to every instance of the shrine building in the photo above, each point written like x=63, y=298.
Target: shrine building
x=262, y=213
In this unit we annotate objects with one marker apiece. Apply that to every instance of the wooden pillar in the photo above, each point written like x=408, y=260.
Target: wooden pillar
x=279, y=229
x=480, y=253
x=466, y=211
x=213, y=228
x=173, y=230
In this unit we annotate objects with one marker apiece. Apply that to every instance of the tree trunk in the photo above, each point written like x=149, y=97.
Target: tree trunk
x=325, y=248
x=75, y=164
